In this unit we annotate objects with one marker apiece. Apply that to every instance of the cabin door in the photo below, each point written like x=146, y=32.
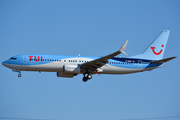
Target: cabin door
x=25, y=59
x=139, y=63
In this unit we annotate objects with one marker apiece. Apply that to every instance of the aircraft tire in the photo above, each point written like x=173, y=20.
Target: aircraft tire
x=85, y=79
x=19, y=75
x=89, y=76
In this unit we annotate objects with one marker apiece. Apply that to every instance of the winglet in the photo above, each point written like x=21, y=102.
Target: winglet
x=124, y=47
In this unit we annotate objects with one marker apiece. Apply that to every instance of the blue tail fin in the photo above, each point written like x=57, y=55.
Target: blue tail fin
x=156, y=50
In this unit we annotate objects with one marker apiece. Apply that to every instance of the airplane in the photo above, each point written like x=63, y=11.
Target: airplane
x=70, y=66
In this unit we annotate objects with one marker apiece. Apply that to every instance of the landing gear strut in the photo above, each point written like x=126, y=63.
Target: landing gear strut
x=14, y=70
x=87, y=77
x=19, y=75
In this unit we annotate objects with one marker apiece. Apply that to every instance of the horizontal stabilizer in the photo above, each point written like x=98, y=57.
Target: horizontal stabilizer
x=164, y=60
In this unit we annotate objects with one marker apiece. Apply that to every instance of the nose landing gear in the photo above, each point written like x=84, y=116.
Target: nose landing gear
x=19, y=75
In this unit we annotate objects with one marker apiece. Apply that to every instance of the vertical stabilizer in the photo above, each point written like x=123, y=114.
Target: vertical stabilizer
x=156, y=50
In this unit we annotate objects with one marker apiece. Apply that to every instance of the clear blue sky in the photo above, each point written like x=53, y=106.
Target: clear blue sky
x=94, y=28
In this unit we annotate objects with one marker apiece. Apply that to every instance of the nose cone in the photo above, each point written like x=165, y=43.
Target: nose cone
x=5, y=63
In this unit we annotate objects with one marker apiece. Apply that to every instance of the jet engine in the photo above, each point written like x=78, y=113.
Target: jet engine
x=68, y=75
x=73, y=69
x=69, y=71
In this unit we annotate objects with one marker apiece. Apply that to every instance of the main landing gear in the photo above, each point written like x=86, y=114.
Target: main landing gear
x=14, y=70
x=87, y=77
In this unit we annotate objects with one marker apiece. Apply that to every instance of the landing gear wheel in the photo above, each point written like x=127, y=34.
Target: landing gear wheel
x=85, y=79
x=89, y=76
x=19, y=75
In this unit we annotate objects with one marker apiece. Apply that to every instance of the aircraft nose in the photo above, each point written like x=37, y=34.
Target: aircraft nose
x=5, y=63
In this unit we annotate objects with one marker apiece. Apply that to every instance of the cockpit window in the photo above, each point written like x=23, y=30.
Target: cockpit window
x=12, y=58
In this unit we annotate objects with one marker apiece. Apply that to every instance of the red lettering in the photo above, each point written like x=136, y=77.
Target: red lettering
x=30, y=58
x=41, y=58
x=37, y=60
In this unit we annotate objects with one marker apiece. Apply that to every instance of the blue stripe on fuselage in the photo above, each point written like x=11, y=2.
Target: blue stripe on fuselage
x=134, y=63
x=133, y=60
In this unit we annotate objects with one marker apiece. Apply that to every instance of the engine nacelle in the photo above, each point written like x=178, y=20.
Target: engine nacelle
x=62, y=74
x=71, y=69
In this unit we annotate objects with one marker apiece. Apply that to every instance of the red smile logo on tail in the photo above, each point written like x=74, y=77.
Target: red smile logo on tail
x=156, y=52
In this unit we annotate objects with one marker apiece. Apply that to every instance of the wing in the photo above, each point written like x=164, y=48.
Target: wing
x=97, y=63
